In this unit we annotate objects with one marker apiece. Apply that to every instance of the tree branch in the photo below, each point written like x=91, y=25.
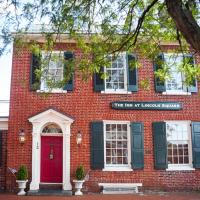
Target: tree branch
x=185, y=22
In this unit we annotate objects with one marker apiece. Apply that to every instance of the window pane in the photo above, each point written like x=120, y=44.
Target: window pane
x=108, y=128
x=113, y=127
x=119, y=152
x=108, y=152
x=113, y=135
x=119, y=144
x=125, y=152
x=124, y=135
x=125, y=160
x=175, y=160
x=108, y=160
x=114, y=160
x=124, y=127
x=170, y=160
x=119, y=127
x=108, y=136
x=108, y=144
x=186, y=159
x=180, y=159
x=114, y=144
x=119, y=160
x=119, y=136
x=124, y=144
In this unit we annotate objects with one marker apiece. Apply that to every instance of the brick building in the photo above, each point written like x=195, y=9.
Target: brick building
x=129, y=135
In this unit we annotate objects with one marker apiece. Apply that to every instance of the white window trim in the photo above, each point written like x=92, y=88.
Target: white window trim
x=53, y=90
x=182, y=167
x=115, y=92
x=119, y=91
x=117, y=167
x=175, y=92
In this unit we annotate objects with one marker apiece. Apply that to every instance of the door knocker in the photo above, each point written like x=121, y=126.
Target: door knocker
x=51, y=156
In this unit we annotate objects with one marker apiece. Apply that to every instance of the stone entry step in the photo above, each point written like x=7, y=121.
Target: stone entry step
x=49, y=192
x=120, y=188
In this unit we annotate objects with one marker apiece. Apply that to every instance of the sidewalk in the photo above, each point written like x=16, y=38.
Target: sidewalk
x=157, y=196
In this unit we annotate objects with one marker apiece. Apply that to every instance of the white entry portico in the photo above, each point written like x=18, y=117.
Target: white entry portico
x=39, y=121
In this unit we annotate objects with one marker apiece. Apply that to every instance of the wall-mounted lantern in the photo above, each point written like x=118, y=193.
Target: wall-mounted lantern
x=22, y=137
x=78, y=138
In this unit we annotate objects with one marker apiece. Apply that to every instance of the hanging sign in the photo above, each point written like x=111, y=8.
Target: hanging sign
x=152, y=105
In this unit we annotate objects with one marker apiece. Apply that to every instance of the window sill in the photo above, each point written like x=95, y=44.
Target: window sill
x=118, y=169
x=52, y=91
x=176, y=93
x=180, y=168
x=115, y=92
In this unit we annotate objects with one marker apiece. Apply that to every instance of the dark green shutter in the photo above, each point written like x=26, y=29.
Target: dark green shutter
x=193, y=87
x=97, y=145
x=158, y=63
x=160, y=145
x=196, y=144
x=99, y=82
x=137, y=145
x=132, y=77
x=35, y=64
x=1, y=147
x=69, y=56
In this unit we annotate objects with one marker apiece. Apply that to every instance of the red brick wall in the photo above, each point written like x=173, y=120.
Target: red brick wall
x=86, y=106
x=3, y=166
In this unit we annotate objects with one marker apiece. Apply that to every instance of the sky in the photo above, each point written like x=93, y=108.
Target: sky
x=5, y=76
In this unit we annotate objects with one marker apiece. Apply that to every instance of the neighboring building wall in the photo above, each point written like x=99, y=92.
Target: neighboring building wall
x=86, y=106
x=3, y=156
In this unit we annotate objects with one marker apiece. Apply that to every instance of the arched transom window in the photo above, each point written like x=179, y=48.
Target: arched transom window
x=52, y=128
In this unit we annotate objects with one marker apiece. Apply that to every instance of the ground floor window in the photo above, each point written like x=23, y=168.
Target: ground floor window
x=116, y=144
x=179, y=148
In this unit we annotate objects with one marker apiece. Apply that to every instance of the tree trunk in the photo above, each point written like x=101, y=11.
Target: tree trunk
x=185, y=22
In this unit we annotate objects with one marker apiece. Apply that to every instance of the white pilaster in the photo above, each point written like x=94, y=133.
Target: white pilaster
x=35, y=159
x=66, y=158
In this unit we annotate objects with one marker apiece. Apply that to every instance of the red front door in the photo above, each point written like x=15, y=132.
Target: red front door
x=51, y=159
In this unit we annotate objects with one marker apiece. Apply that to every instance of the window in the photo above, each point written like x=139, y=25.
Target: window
x=116, y=145
x=52, y=73
x=52, y=128
x=176, y=82
x=179, y=150
x=116, y=79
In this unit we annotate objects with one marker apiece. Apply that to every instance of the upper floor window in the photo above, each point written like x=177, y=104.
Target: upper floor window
x=121, y=75
x=116, y=75
x=53, y=71
x=175, y=83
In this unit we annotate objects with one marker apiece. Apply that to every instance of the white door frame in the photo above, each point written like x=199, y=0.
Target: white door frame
x=39, y=122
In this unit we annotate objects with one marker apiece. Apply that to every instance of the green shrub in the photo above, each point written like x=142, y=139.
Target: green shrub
x=22, y=173
x=80, y=173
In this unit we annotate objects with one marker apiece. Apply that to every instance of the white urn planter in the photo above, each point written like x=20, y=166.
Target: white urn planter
x=78, y=186
x=21, y=186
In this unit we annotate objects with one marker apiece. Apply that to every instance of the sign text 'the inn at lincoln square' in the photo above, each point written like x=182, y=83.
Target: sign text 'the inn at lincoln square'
x=154, y=105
